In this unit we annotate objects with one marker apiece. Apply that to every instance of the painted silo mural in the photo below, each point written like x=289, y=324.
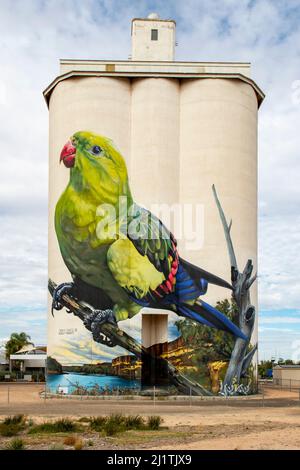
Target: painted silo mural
x=123, y=265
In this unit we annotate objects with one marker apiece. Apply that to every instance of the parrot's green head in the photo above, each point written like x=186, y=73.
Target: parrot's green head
x=96, y=166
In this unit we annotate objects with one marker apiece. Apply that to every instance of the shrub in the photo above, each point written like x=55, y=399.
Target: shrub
x=12, y=425
x=16, y=444
x=111, y=428
x=78, y=444
x=118, y=423
x=9, y=430
x=134, y=422
x=90, y=443
x=97, y=423
x=16, y=419
x=154, y=422
x=115, y=423
x=116, y=418
x=65, y=425
x=70, y=440
x=60, y=425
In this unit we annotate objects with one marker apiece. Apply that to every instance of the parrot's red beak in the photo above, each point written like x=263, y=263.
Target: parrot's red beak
x=67, y=155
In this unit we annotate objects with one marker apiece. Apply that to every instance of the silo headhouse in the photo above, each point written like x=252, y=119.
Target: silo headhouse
x=152, y=223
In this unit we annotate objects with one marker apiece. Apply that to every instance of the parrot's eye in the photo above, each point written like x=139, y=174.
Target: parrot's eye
x=96, y=150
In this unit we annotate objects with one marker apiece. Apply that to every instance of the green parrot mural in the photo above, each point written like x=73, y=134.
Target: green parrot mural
x=121, y=256
x=139, y=268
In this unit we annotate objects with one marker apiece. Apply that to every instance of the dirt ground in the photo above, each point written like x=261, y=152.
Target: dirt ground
x=247, y=423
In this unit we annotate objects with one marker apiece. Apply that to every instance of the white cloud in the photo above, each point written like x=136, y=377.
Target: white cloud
x=277, y=320
x=81, y=349
x=278, y=342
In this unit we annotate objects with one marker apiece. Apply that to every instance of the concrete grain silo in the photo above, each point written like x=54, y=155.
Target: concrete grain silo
x=181, y=128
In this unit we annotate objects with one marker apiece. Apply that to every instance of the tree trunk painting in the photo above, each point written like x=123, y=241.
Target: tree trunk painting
x=241, y=283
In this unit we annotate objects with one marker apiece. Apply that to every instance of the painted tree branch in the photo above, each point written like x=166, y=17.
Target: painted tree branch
x=241, y=283
x=117, y=337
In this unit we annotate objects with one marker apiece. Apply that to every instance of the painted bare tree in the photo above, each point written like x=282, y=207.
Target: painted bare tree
x=241, y=357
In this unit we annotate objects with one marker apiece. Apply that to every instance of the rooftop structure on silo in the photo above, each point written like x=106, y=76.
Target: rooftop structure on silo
x=153, y=38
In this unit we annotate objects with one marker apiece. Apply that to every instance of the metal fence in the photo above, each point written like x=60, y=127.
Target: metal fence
x=283, y=384
x=27, y=393
x=15, y=393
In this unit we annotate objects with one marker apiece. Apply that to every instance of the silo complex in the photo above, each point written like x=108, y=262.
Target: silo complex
x=181, y=127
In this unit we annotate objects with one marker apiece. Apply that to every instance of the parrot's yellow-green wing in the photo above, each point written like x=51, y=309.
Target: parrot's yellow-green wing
x=152, y=239
x=132, y=271
x=146, y=261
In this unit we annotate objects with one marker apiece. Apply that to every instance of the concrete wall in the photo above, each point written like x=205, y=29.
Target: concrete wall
x=144, y=48
x=154, y=329
x=98, y=104
x=142, y=67
x=178, y=137
x=154, y=158
x=30, y=360
x=218, y=145
x=286, y=374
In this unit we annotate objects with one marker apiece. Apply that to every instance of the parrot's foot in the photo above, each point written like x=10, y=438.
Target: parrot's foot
x=94, y=322
x=60, y=290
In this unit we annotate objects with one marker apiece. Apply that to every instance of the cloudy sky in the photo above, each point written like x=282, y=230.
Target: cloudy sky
x=34, y=34
x=77, y=347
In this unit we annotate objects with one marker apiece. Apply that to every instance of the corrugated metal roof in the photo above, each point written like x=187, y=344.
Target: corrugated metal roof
x=30, y=348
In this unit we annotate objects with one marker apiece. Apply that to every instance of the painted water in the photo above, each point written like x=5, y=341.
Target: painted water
x=70, y=381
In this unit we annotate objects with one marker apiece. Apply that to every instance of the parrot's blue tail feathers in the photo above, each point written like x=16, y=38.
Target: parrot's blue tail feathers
x=210, y=316
x=197, y=274
x=186, y=311
x=186, y=288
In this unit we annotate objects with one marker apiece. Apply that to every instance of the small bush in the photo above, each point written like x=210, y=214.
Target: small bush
x=69, y=441
x=65, y=425
x=12, y=425
x=116, y=418
x=9, y=430
x=97, y=423
x=154, y=422
x=16, y=444
x=111, y=428
x=16, y=419
x=134, y=422
x=60, y=425
x=78, y=444
x=115, y=423
x=90, y=443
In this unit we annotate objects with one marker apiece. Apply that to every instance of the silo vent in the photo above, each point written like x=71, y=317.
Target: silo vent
x=153, y=16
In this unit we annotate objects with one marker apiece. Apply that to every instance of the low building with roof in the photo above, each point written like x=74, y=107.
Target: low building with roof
x=286, y=375
x=32, y=360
